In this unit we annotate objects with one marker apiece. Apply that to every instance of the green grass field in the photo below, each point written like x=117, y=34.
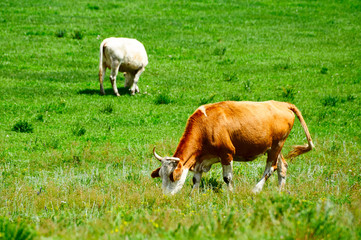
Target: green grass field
x=76, y=165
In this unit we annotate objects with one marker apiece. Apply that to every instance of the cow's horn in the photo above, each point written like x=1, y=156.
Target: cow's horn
x=173, y=159
x=156, y=155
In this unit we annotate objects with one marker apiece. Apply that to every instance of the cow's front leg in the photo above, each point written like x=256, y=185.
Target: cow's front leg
x=228, y=175
x=196, y=181
x=227, y=163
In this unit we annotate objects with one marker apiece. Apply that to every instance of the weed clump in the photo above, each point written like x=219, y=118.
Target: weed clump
x=53, y=143
x=329, y=101
x=220, y=51
x=60, y=33
x=211, y=183
x=40, y=117
x=93, y=7
x=230, y=77
x=247, y=85
x=288, y=93
x=78, y=130
x=283, y=66
x=77, y=35
x=58, y=107
x=324, y=70
x=108, y=109
x=163, y=99
x=23, y=126
x=9, y=230
x=350, y=98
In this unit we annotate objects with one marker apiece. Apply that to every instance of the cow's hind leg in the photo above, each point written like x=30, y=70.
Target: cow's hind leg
x=101, y=78
x=128, y=79
x=271, y=165
x=113, y=77
x=281, y=170
x=266, y=174
x=135, y=89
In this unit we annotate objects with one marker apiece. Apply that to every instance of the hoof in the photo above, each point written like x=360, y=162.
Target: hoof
x=256, y=190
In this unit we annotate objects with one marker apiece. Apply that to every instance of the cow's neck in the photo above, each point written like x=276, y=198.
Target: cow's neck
x=188, y=150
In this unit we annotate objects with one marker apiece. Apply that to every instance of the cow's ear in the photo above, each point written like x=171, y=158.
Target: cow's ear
x=155, y=173
x=177, y=173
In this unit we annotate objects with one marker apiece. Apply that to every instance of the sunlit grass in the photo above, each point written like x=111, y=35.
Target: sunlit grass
x=76, y=165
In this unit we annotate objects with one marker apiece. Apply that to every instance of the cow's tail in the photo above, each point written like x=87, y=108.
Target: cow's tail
x=300, y=149
x=101, y=52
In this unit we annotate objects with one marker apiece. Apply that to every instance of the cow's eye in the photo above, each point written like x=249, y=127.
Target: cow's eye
x=171, y=177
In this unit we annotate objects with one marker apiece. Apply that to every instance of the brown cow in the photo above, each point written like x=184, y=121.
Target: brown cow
x=227, y=131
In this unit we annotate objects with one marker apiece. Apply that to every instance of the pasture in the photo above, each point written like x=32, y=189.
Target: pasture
x=76, y=165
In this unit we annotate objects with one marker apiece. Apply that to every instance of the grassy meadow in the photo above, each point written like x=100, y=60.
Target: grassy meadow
x=76, y=165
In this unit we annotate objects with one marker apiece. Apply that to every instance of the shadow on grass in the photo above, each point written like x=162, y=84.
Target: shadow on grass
x=109, y=91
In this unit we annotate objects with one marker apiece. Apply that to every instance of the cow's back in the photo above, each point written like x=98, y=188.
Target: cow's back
x=247, y=125
x=130, y=52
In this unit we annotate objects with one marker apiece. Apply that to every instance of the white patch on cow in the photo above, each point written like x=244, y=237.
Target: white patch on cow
x=312, y=145
x=227, y=170
x=259, y=186
x=171, y=188
x=205, y=165
x=281, y=182
x=169, y=164
x=282, y=171
x=203, y=110
x=267, y=173
x=227, y=173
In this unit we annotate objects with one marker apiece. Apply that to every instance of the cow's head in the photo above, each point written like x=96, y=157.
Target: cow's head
x=172, y=172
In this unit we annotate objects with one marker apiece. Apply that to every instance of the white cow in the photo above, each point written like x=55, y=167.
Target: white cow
x=125, y=55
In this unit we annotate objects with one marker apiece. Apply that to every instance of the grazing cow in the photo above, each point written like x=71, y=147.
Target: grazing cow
x=227, y=131
x=125, y=55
